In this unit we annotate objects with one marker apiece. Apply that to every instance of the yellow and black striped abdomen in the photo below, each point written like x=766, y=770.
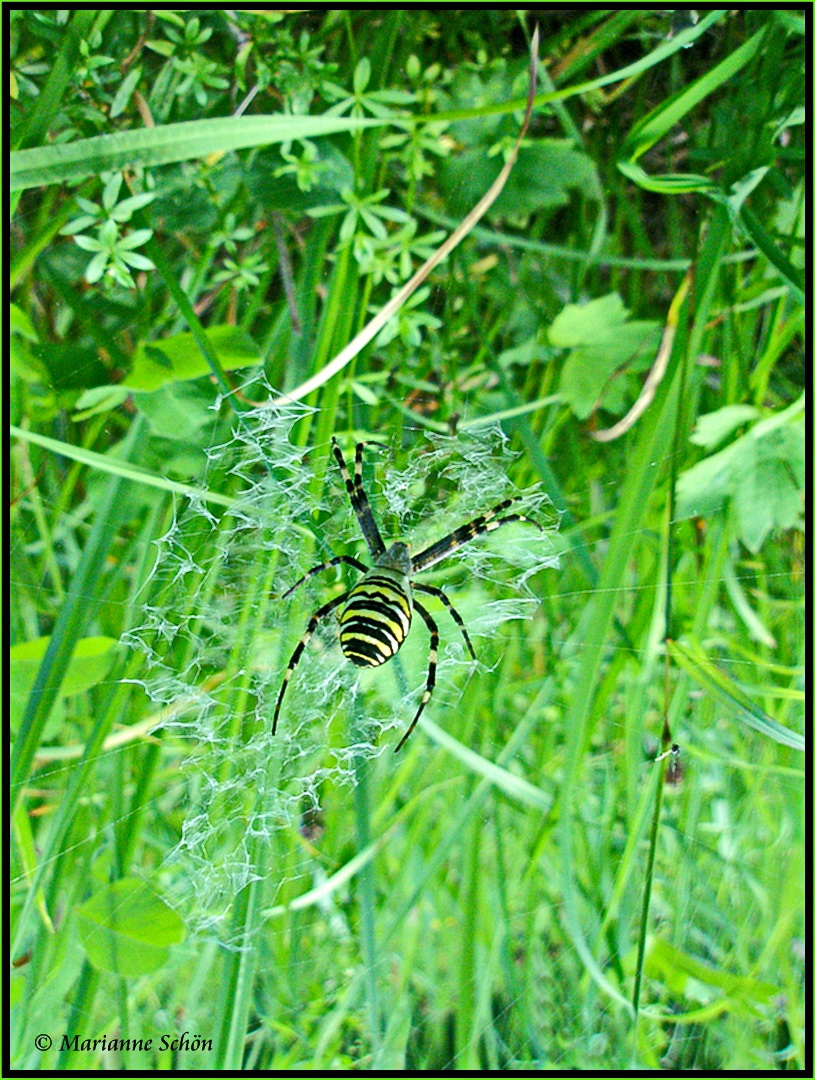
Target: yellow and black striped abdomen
x=376, y=619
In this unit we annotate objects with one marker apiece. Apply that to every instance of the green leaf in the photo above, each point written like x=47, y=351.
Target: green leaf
x=111, y=191
x=125, y=92
x=669, y=183
x=88, y=243
x=761, y=475
x=509, y=782
x=139, y=262
x=740, y=190
x=134, y=239
x=89, y=663
x=770, y=249
x=163, y=48
x=770, y=493
x=362, y=75
x=148, y=147
x=127, y=928
x=179, y=411
x=177, y=358
x=544, y=177
x=99, y=399
x=96, y=267
x=601, y=341
x=78, y=224
x=124, y=210
x=19, y=323
x=713, y=428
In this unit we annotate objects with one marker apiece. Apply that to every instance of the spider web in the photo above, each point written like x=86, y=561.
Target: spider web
x=216, y=640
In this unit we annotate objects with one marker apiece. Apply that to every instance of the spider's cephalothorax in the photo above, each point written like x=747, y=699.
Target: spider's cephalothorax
x=377, y=611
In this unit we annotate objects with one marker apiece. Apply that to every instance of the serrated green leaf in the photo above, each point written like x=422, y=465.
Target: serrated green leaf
x=761, y=474
x=544, y=177
x=713, y=428
x=601, y=341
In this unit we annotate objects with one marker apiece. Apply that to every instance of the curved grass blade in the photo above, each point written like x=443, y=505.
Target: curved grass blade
x=117, y=467
x=729, y=694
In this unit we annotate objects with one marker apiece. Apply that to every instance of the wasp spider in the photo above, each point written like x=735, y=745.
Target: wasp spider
x=376, y=613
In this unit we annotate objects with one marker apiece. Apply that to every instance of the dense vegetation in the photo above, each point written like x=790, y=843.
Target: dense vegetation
x=537, y=881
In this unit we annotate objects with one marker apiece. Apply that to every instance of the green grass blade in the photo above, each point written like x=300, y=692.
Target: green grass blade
x=168, y=143
x=122, y=469
x=366, y=894
x=510, y=783
x=558, y=251
x=730, y=695
x=237, y=986
x=630, y=71
x=72, y=620
x=659, y=121
x=154, y=251
x=656, y=433
x=767, y=245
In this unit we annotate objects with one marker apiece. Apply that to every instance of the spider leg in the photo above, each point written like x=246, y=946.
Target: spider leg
x=431, y=670
x=359, y=500
x=295, y=656
x=324, y=566
x=433, y=591
x=485, y=523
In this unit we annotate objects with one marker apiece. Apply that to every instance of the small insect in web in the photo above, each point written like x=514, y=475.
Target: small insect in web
x=674, y=772
x=377, y=612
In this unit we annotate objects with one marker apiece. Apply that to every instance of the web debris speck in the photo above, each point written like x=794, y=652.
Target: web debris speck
x=215, y=640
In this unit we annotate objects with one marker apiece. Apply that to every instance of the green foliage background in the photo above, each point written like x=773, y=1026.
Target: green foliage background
x=525, y=886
